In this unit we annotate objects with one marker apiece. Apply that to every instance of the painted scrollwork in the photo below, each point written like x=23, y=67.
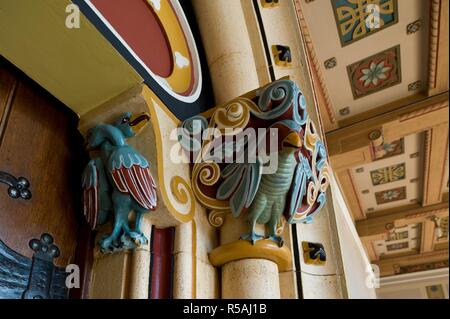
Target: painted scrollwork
x=183, y=193
x=260, y=156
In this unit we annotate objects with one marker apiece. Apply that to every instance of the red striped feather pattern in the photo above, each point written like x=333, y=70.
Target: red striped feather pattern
x=137, y=181
x=90, y=205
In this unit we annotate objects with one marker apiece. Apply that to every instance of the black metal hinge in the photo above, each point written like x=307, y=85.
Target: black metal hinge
x=18, y=187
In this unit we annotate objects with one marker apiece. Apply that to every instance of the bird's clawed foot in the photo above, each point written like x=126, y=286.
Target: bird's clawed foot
x=138, y=238
x=252, y=237
x=128, y=240
x=277, y=239
x=108, y=244
x=132, y=240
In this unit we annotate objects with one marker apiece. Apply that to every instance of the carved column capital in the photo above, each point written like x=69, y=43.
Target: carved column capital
x=258, y=156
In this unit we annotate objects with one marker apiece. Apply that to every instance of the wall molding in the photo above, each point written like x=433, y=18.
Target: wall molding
x=435, y=274
x=329, y=111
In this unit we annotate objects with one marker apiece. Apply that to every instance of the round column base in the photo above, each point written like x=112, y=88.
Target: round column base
x=242, y=249
x=250, y=279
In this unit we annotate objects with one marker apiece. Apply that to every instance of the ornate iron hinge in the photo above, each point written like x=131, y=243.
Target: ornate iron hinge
x=18, y=187
x=32, y=278
x=46, y=281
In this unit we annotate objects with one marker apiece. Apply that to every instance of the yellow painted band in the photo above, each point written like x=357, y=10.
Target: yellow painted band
x=181, y=196
x=194, y=259
x=242, y=249
x=181, y=77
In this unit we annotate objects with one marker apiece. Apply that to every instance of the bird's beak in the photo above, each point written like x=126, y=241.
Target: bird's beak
x=292, y=140
x=139, y=121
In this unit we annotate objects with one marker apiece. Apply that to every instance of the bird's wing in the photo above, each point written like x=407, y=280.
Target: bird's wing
x=90, y=185
x=131, y=174
x=241, y=181
x=298, y=188
x=307, y=194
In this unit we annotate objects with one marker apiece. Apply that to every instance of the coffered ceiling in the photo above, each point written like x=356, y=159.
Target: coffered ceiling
x=364, y=69
x=366, y=60
x=380, y=73
x=393, y=181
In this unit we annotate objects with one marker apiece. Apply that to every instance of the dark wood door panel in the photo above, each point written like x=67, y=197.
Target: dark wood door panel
x=41, y=143
x=7, y=84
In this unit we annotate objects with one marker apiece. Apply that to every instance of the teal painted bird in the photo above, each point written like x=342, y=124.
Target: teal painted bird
x=263, y=197
x=266, y=197
x=118, y=182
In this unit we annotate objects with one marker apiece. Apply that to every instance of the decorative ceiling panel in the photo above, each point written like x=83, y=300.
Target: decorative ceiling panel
x=357, y=19
x=375, y=73
x=393, y=181
x=388, y=174
x=400, y=240
x=393, y=149
x=353, y=46
x=390, y=195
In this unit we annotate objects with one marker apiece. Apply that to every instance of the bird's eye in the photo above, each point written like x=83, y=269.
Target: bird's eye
x=125, y=120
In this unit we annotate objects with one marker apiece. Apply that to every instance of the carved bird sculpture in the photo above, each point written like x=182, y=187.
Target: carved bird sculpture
x=266, y=195
x=117, y=182
x=296, y=188
x=270, y=198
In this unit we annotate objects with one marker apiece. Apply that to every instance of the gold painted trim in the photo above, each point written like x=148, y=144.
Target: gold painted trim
x=432, y=190
x=180, y=78
x=425, y=110
x=194, y=259
x=149, y=95
x=434, y=41
x=262, y=249
x=403, y=216
x=385, y=108
x=426, y=163
x=355, y=136
x=315, y=62
x=181, y=196
x=7, y=108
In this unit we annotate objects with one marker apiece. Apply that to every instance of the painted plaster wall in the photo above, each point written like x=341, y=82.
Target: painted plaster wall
x=126, y=274
x=78, y=66
x=414, y=286
x=356, y=264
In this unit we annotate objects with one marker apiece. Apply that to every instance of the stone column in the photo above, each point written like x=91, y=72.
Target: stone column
x=247, y=271
x=140, y=261
x=251, y=277
x=227, y=46
x=319, y=279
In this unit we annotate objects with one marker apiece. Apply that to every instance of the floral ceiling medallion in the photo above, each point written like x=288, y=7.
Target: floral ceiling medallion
x=357, y=19
x=391, y=195
x=375, y=73
x=395, y=148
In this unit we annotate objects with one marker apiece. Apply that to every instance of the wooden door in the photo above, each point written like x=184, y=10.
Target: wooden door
x=40, y=142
